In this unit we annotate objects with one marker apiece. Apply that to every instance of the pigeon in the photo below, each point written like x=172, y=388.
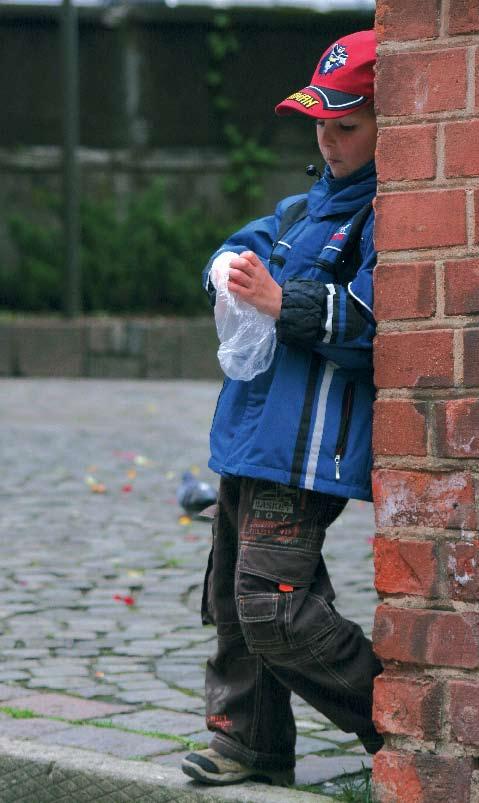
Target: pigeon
x=194, y=495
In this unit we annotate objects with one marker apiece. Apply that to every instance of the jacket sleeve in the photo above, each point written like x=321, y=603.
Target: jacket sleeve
x=258, y=236
x=335, y=321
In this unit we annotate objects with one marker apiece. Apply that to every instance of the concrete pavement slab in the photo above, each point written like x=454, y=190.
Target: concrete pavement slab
x=35, y=773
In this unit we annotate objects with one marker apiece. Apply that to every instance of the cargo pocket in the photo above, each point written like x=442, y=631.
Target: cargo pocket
x=258, y=614
x=279, y=564
x=292, y=617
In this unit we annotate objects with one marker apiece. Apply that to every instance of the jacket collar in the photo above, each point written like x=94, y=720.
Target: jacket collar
x=334, y=196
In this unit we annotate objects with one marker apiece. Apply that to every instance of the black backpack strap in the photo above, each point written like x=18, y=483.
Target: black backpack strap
x=349, y=258
x=296, y=211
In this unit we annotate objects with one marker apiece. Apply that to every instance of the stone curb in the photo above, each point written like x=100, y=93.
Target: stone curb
x=34, y=773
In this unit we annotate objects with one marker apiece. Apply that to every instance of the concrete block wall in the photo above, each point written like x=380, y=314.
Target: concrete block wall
x=426, y=429
x=160, y=348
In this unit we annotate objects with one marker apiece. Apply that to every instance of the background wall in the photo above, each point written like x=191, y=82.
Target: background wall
x=146, y=107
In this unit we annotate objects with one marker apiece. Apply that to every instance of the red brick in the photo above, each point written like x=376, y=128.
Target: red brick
x=461, y=561
x=464, y=16
x=396, y=779
x=462, y=286
x=464, y=711
x=414, y=359
x=426, y=637
x=404, y=290
x=431, y=219
x=399, y=428
x=462, y=148
x=402, y=21
x=407, y=706
x=405, y=567
x=406, y=152
x=423, y=498
x=457, y=427
x=400, y=777
x=423, y=82
x=471, y=357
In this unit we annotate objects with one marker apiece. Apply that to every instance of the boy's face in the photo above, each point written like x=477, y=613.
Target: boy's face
x=347, y=143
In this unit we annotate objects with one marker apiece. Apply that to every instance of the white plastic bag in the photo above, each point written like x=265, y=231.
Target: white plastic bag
x=247, y=336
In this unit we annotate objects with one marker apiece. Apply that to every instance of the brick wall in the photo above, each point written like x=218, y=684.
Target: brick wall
x=426, y=431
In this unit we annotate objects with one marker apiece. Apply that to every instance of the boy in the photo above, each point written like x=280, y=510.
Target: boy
x=292, y=446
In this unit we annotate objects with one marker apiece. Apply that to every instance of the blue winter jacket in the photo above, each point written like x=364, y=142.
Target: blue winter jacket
x=307, y=420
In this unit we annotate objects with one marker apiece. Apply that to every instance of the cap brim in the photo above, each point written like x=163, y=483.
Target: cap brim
x=316, y=101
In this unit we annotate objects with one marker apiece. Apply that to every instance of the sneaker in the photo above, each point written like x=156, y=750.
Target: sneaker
x=208, y=766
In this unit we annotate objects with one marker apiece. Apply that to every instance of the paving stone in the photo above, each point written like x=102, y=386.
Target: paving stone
x=106, y=664
x=138, y=680
x=25, y=652
x=141, y=696
x=152, y=648
x=196, y=683
x=13, y=692
x=109, y=740
x=78, y=649
x=307, y=725
x=160, y=720
x=13, y=674
x=172, y=759
x=123, y=681
x=61, y=705
x=170, y=698
x=57, y=682
x=31, y=728
x=99, y=690
x=203, y=737
x=318, y=769
x=59, y=670
x=306, y=744
x=340, y=737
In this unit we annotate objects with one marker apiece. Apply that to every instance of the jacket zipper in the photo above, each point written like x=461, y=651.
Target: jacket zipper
x=344, y=425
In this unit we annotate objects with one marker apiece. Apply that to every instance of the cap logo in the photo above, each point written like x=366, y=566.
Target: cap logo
x=334, y=58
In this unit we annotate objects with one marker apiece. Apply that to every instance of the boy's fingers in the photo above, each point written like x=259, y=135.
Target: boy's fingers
x=241, y=264
x=237, y=276
x=251, y=257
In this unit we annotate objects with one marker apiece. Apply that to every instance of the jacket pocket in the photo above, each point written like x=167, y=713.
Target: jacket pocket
x=344, y=427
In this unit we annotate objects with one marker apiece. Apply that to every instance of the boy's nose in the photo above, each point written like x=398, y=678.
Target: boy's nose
x=328, y=137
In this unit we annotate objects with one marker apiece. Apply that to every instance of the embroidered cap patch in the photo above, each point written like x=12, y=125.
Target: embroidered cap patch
x=334, y=58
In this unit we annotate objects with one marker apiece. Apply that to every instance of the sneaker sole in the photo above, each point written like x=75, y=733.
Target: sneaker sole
x=225, y=779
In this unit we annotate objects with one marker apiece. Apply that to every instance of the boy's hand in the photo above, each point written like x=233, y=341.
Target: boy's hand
x=250, y=281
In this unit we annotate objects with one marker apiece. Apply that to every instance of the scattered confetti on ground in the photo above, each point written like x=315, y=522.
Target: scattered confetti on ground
x=124, y=598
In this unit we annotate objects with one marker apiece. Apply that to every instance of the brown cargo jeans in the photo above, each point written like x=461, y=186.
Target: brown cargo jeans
x=268, y=592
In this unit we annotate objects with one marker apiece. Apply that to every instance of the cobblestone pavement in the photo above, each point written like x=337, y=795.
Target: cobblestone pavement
x=101, y=645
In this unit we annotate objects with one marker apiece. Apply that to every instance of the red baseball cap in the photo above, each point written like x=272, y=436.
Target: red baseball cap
x=342, y=82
